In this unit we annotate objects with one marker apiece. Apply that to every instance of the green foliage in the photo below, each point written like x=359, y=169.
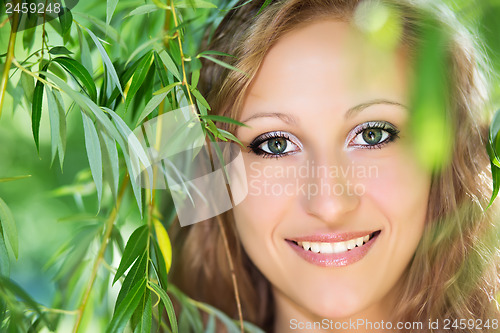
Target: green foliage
x=92, y=78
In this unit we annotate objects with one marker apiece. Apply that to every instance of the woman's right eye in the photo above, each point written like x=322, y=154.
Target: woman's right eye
x=273, y=144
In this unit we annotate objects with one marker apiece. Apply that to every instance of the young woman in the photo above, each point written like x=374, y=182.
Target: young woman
x=346, y=227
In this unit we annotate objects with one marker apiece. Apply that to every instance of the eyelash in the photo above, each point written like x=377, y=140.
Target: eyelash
x=383, y=125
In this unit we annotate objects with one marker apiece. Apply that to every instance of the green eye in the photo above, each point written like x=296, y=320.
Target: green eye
x=372, y=136
x=276, y=145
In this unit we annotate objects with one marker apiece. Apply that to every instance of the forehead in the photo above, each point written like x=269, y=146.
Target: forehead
x=328, y=62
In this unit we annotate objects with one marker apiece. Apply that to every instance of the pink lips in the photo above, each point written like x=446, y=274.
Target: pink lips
x=334, y=259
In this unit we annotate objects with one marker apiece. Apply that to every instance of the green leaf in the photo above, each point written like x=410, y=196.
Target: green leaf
x=4, y=256
x=28, y=84
x=61, y=145
x=136, y=246
x=93, y=152
x=160, y=69
x=222, y=63
x=141, y=48
x=194, y=4
x=111, y=161
x=168, y=306
x=127, y=307
x=110, y=9
x=195, y=77
x=106, y=29
x=146, y=311
x=9, y=227
x=58, y=50
x=66, y=19
x=54, y=115
x=80, y=72
x=169, y=63
x=86, y=59
x=200, y=98
x=144, y=9
x=9, y=179
x=210, y=52
x=151, y=106
x=107, y=62
x=264, y=5
x=36, y=113
x=167, y=89
x=222, y=119
x=230, y=136
x=138, y=78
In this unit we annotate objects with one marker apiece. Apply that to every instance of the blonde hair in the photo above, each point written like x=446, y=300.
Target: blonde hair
x=454, y=273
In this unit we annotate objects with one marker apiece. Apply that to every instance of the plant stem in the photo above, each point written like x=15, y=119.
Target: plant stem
x=10, y=56
x=109, y=227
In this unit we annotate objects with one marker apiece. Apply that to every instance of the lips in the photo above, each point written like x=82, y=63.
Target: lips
x=334, y=249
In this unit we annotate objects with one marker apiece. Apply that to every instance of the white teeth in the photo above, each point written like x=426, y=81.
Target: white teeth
x=339, y=247
x=326, y=248
x=315, y=247
x=334, y=247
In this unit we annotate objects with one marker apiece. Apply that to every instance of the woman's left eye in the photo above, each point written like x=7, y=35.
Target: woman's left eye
x=273, y=144
x=374, y=134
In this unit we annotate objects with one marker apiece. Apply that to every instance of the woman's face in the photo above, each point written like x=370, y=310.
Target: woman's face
x=337, y=201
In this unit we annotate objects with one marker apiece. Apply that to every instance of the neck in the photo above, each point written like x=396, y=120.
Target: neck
x=291, y=317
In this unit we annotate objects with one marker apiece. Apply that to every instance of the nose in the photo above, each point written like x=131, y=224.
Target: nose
x=330, y=194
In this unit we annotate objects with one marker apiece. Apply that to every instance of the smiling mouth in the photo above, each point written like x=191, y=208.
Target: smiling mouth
x=336, y=247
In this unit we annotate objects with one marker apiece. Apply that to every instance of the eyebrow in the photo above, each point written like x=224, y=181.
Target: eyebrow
x=290, y=119
x=360, y=107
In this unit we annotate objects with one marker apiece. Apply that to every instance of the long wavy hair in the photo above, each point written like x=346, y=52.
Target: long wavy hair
x=454, y=273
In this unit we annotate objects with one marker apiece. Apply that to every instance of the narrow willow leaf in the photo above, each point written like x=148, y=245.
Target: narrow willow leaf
x=167, y=88
x=107, y=62
x=4, y=257
x=54, y=122
x=28, y=84
x=195, y=77
x=229, y=136
x=200, y=98
x=264, y=5
x=110, y=9
x=222, y=63
x=111, y=161
x=210, y=52
x=66, y=19
x=231, y=326
x=80, y=72
x=127, y=307
x=160, y=69
x=151, y=106
x=144, y=9
x=136, y=246
x=138, y=78
x=135, y=274
x=36, y=112
x=194, y=4
x=223, y=119
x=211, y=324
x=134, y=145
x=93, y=148
x=85, y=57
x=9, y=227
x=9, y=179
x=145, y=309
x=168, y=306
x=61, y=145
x=169, y=63
x=163, y=242
x=60, y=50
